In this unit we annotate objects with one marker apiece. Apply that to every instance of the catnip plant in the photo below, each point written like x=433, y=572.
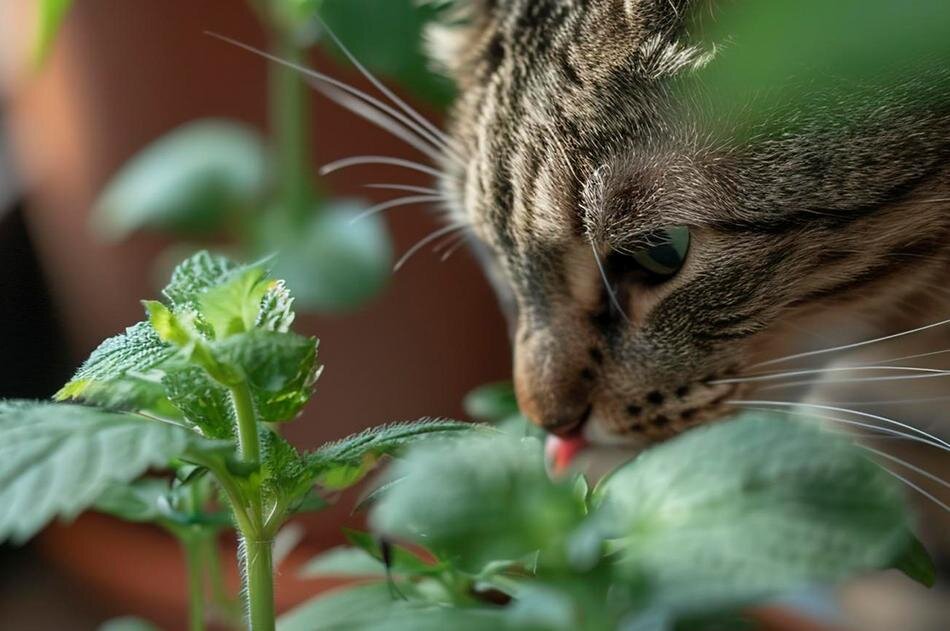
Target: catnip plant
x=198, y=388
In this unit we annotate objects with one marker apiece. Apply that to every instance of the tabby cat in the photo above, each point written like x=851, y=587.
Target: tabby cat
x=646, y=260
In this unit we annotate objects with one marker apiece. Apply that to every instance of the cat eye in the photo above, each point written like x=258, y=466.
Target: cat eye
x=665, y=253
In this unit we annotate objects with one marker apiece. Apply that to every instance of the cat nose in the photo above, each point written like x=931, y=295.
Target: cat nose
x=554, y=393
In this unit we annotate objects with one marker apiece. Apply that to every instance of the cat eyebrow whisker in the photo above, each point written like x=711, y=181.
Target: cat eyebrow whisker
x=396, y=203
x=433, y=236
x=437, y=141
x=831, y=408
x=818, y=371
x=415, y=115
x=346, y=163
x=876, y=428
x=845, y=347
x=611, y=293
x=407, y=188
x=381, y=120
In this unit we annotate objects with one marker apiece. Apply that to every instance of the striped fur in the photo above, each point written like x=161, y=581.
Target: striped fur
x=575, y=140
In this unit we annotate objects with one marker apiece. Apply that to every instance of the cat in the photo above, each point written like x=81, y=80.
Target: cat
x=647, y=266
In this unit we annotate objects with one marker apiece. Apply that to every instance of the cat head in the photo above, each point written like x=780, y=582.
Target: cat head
x=644, y=257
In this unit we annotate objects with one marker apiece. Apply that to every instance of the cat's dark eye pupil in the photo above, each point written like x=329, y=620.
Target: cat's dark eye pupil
x=661, y=256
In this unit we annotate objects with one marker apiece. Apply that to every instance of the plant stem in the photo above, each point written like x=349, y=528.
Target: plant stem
x=289, y=100
x=194, y=562
x=256, y=541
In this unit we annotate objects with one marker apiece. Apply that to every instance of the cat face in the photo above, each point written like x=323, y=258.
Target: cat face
x=644, y=258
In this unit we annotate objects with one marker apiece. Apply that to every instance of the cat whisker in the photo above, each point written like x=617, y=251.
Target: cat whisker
x=920, y=490
x=346, y=163
x=831, y=408
x=381, y=120
x=851, y=423
x=438, y=234
x=845, y=347
x=395, y=203
x=808, y=382
x=906, y=357
x=904, y=463
x=415, y=115
x=818, y=371
x=892, y=401
x=405, y=187
x=423, y=134
x=611, y=293
x=452, y=250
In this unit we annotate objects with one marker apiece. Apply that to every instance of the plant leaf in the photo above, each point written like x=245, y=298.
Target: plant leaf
x=477, y=501
x=136, y=502
x=344, y=561
x=343, y=463
x=128, y=624
x=492, y=403
x=188, y=182
x=234, y=306
x=57, y=459
x=738, y=511
x=112, y=376
x=916, y=563
x=204, y=403
x=194, y=276
x=281, y=369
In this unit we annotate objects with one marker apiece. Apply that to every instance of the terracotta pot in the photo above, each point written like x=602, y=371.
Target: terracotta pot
x=120, y=75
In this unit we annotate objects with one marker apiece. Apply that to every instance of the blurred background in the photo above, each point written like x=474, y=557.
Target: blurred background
x=118, y=76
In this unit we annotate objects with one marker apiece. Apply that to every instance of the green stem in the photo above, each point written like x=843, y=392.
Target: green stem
x=289, y=102
x=255, y=540
x=194, y=562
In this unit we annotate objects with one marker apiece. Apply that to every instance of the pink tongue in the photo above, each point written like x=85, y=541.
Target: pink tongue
x=561, y=452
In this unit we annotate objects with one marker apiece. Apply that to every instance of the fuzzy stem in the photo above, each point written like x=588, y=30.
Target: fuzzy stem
x=256, y=543
x=289, y=100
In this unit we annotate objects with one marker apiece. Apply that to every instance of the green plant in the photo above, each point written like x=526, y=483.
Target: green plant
x=686, y=534
x=200, y=388
x=219, y=177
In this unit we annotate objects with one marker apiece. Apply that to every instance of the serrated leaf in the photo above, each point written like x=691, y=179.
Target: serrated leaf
x=57, y=459
x=276, y=312
x=188, y=182
x=473, y=502
x=345, y=462
x=738, y=511
x=113, y=374
x=286, y=479
x=194, y=276
x=280, y=368
x=234, y=306
x=203, y=403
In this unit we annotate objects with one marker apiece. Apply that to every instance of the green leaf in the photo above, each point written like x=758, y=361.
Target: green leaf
x=476, y=501
x=336, y=262
x=915, y=562
x=286, y=479
x=169, y=328
x=738, y=511
x=281, y=369
x=492, y=403
x=777, y=60
x=128, y=624
x=194, y=276
x=187, y=182
x=136, y=502
x=276, y=310
x=114, y=374
x=389, y=44
x=204, y=403
x=234, y=306
x=400, y=558
x=344, y=561
x=51, y=15
x=343, y=463
x=56, y=459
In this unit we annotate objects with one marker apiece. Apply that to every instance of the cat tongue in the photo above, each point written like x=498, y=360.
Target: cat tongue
x=560, y=452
